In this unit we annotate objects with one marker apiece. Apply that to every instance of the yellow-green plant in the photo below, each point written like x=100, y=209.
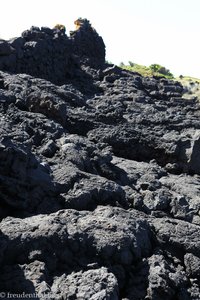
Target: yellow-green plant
x=60, y=27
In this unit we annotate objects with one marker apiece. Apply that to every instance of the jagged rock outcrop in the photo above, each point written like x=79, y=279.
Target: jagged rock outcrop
x=99, y=175
x=87, y=44
x=51, y=54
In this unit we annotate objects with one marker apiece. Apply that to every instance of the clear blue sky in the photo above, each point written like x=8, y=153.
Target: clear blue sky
x=143, y=31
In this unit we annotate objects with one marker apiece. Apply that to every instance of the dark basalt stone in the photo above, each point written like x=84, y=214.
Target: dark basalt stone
x=51, y=54
x=99, y=174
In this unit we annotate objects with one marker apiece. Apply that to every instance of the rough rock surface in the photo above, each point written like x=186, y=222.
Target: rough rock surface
x=99, y=175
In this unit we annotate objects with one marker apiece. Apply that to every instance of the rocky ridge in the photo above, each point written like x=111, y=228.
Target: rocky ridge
x=99, y=174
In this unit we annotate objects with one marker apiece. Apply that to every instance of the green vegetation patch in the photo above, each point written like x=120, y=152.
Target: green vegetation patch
x=152, y=70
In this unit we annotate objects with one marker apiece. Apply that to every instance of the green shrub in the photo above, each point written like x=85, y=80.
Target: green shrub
x=131, y=64
x=161, y=70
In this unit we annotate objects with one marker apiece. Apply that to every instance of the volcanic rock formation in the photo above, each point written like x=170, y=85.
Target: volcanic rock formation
x=99, y=175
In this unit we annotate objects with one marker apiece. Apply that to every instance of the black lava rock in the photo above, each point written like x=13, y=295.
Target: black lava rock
x=99, y=174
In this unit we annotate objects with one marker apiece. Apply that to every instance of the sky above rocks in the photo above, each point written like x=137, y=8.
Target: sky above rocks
x=142, y=31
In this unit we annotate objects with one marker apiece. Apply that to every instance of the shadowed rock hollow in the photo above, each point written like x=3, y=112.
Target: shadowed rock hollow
x=99, y=174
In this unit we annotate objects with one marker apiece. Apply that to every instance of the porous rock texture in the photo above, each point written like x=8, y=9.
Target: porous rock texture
x=99, y=175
